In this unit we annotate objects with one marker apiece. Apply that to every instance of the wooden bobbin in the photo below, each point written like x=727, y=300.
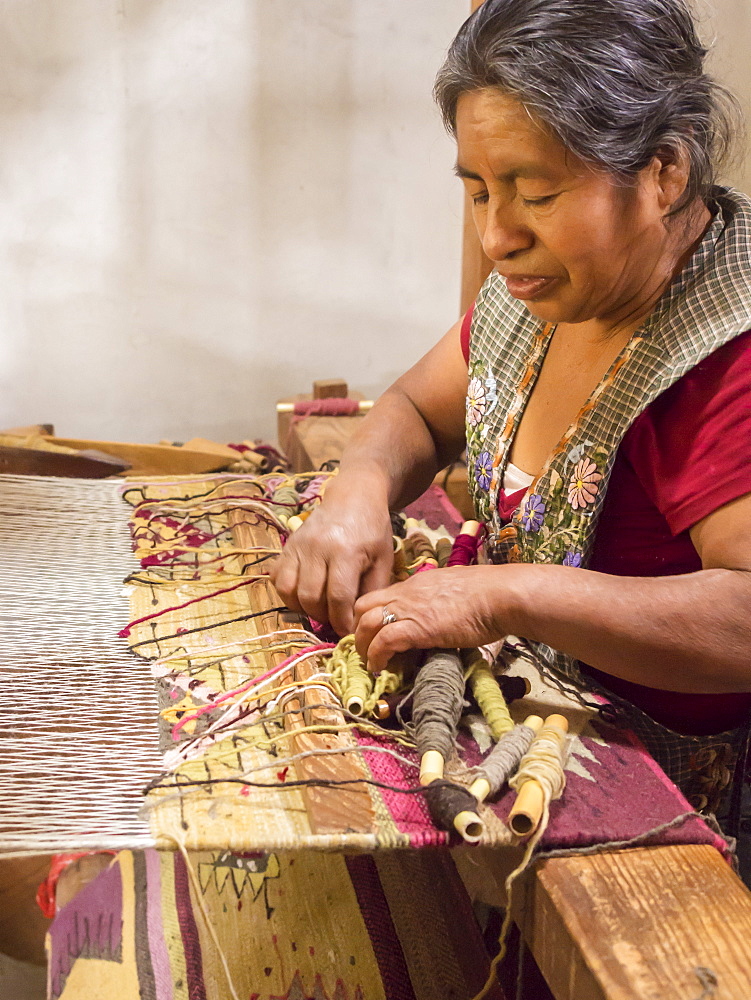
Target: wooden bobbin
x=472, y=528
x=382, y=709
x=469, y=825
x=294, y=522
x=527, y=810
x=355, y=706
x=431, y=766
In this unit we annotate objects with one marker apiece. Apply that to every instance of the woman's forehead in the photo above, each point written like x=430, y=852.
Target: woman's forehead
x=497, y=129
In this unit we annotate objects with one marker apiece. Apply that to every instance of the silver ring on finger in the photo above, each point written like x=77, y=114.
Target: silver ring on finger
x=388, y=616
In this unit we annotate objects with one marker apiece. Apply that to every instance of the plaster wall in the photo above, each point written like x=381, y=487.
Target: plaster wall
x=207, y=205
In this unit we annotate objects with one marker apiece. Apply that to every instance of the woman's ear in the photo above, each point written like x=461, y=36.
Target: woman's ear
x=670, y=173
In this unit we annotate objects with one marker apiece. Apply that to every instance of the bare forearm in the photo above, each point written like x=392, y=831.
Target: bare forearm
x=686, y=633
x=394, y=453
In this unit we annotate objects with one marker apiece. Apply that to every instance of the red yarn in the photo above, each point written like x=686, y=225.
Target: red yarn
x=248, y=684
x=333, y=407
x=464, y=550
x=125, y=632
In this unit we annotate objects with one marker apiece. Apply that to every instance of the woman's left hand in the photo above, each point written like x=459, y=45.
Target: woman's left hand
x=459, y=606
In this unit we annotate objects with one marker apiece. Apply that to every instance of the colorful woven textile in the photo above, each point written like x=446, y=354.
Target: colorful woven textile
x=247, y=770
x=292, y=927
x=257, y=910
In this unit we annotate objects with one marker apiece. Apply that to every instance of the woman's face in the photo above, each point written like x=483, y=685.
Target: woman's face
x=573, y=243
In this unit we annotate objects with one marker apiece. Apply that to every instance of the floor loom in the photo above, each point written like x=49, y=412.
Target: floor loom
x=81, y=742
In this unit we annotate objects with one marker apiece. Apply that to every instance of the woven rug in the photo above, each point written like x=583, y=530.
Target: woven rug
x=257, y=909
x=210, y=621
x=396, y=926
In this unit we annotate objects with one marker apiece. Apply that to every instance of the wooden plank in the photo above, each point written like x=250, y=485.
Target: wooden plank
x=151, y=459
x=313, y=441
x=330, y=388
x=646, y=924
x=35, y=462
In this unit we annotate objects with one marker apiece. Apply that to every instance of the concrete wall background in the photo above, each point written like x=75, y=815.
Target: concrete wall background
x=206, y=205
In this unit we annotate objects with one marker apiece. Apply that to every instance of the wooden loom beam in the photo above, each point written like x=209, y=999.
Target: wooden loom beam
x=663, y=922
x=330, y=810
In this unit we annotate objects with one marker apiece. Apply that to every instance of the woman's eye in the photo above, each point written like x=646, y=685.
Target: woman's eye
x=480, y=199
x=539, y=201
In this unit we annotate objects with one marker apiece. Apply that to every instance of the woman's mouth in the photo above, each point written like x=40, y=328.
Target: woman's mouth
x=527, y=286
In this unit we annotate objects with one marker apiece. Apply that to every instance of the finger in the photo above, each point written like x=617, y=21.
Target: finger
x=366, y=629
x=378, y=575
x=311, y=589
x=342, y=592
x=397, y=637
x=284, y=574
x=375, y=599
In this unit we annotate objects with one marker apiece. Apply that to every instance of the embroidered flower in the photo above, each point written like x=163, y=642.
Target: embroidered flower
x=484, y=469
x=491, y=391
x=476, y=401
x=582, y=487
x=572, y=558
x=534, y=512
x=577, y=453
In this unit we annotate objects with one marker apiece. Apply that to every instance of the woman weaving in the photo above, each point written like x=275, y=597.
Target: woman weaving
x=601, y=384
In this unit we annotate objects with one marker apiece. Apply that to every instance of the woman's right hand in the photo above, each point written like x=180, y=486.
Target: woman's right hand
x=343, y=550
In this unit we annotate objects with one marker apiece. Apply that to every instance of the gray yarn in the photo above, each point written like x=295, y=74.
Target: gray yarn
x=437, y=700
x=503, y=759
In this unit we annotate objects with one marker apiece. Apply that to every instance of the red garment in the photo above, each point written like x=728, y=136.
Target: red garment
x=687, y=454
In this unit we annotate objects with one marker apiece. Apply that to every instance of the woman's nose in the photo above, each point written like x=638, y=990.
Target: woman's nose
x=503, y=236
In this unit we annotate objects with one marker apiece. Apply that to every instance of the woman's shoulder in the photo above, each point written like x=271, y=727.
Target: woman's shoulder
x=722, y=379
x=691, y=447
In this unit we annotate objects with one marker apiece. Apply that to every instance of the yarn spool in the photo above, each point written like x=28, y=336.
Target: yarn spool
x=437, y=700
x=361, y=692
x=443, y=547
x=513, y=687
x=488, y=693
x=449, y=804
x=285, y=501
x=418, y=549
x=466, y=544
x=530, y=803
x=454, y=806
x=504, y=758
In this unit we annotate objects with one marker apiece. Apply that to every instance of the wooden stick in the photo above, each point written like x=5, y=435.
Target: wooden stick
x=363, y=405
x=526, y=812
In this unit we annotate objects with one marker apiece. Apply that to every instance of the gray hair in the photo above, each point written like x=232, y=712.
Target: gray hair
x=616, y=81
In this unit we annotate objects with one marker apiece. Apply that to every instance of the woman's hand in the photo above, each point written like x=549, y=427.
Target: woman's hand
x=343, y=550
x=456, y=607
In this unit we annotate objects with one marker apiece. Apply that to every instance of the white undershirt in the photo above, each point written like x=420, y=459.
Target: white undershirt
x=514, y=479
